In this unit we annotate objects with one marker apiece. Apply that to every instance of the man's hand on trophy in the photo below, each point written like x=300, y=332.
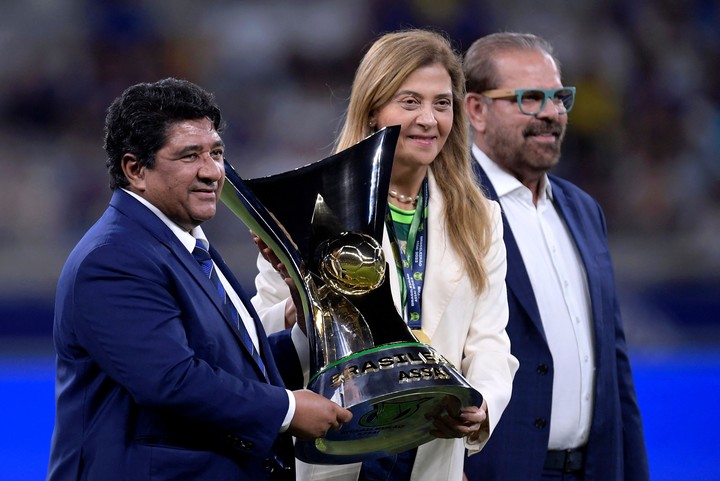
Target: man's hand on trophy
x=315, y=415
x=450, y=420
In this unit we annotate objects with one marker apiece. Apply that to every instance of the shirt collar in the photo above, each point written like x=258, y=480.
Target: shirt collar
x=504, y=182
x=188, y=239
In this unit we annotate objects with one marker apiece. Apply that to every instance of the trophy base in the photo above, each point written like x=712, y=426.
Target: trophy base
x=392, y=390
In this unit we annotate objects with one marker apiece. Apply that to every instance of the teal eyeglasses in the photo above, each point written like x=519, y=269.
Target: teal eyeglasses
x=532, y=101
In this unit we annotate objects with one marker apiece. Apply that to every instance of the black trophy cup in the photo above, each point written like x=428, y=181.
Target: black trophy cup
x=325, y=222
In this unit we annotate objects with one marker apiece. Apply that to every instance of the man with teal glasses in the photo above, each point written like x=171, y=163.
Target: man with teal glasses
x=573, y=413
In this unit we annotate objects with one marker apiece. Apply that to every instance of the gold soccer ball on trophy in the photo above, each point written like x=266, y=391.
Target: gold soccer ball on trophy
x=352, y=263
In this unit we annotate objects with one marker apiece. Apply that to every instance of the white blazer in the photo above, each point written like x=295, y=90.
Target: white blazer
x=467, y=329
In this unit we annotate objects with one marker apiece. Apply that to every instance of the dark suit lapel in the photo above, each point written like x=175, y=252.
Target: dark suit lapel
x=148, y=220
x=209, y=289
x=517, y=280
x=568, y=209
x=265, y=351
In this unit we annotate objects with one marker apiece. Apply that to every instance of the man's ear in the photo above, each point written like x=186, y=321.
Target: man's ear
x=476, y=109
x=134, y=172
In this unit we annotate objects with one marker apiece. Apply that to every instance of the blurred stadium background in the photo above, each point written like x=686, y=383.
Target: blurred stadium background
x=644, y=140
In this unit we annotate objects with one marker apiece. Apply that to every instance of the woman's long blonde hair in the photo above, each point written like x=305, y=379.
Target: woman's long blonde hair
x=383, y=69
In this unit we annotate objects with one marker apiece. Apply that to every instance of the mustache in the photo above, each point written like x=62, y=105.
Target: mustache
x=544, y=128
x=206, y=185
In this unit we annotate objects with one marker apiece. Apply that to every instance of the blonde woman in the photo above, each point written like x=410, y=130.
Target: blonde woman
x=414, y=79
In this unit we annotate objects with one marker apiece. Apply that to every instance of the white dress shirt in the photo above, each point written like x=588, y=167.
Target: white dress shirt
x=188, y=240
x=559, y=281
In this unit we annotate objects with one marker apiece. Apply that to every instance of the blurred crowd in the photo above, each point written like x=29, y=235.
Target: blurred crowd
x=644, y=135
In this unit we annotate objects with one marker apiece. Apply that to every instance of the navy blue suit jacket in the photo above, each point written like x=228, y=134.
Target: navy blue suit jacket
x=517, y=448
x=153, y=382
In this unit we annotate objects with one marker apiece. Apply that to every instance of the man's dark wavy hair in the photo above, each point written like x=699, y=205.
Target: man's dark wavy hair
x=137, y=122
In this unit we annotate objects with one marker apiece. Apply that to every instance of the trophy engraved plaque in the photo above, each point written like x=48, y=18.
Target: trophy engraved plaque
x=325, y=222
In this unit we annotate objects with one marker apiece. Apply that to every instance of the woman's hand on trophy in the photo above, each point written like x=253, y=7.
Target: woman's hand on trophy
x=293, y=315
x=315, y=415
x=270, y=256
x=452, y=421
x=483, y=431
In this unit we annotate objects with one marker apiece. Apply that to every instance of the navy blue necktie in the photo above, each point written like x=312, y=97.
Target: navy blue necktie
x=206, y=264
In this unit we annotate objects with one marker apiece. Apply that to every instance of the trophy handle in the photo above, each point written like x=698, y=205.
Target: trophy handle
x=243, y=203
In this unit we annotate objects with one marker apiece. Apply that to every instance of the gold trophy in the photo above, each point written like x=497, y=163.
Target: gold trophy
x=325, y=221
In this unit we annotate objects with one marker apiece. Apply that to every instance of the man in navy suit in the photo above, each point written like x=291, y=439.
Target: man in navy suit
x=573, y=413
x=155, y=378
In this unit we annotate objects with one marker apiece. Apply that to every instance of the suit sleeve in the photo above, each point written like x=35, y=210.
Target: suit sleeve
x=287, y=360
x=135, y=318
x=633, y=440
x=634, y=451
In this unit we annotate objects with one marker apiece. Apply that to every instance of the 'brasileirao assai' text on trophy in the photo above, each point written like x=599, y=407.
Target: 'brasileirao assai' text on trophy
x=325, y=222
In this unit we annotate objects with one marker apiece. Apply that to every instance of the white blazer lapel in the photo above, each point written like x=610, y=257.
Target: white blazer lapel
x=443, y=270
